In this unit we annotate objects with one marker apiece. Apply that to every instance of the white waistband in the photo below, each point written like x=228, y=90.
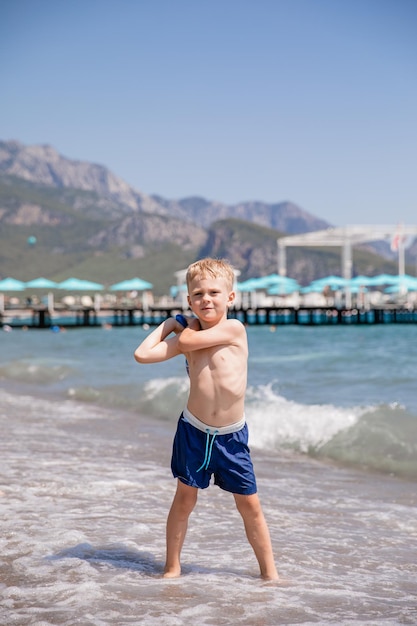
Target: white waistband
x=220, y=430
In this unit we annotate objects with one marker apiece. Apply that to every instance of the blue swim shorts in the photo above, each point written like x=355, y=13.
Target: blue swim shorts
x=198, y=454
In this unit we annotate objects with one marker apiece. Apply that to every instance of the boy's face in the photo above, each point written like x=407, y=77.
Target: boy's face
x=209, y=299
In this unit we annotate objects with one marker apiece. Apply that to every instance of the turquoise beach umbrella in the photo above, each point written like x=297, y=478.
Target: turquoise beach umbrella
x=174, y=290
x=77, y=284
x=279, y=290
x=132, y=284
x=313, y=288
x=11, y=284
x=332, y=281
x=358, y=281
x=247, y=285
x=277, y=279
x=397, y=288
x=46, y=285
x=266, y=282
x=403, y=282
x=384, y=279
x=41, y=283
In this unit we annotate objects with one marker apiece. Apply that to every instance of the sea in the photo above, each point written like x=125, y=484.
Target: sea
x=85, y=482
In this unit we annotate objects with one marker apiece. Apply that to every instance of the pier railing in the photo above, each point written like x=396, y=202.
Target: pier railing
x=273, y=316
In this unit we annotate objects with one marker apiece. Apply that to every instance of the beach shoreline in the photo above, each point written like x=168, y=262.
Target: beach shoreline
x=84, y=517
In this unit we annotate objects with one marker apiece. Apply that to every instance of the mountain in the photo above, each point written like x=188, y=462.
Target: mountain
x=284, y=216
x=60, y=217
x=43, y=165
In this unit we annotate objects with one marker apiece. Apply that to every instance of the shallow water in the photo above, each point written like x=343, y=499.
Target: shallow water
x=85, y=496
x=85, y=490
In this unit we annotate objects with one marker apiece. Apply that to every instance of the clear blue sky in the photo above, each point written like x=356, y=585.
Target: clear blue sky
x=313, y=101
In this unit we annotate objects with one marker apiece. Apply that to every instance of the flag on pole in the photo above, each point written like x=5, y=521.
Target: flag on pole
x=397, y=238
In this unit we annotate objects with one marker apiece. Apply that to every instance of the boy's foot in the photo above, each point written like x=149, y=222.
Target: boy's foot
x=269, y=572
x=172, y=572
x=272, y=577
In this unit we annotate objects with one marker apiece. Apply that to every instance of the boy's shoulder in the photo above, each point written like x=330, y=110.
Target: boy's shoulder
x=229, y=326
x=232, y=321
x=235, y=326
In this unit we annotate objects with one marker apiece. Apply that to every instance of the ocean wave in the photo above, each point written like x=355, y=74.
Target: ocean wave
x=374, y=437
x=160, y=397
x=277, y=422
x=39, y=371
x=381, y=438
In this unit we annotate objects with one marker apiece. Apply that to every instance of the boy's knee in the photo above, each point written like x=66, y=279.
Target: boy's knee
x=248, y=505
x=186, y=498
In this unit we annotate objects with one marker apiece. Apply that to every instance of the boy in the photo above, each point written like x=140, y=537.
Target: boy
x=211, y=434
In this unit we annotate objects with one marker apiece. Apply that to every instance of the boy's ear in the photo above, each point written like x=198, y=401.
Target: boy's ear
x=231, y=298
x=188, y=300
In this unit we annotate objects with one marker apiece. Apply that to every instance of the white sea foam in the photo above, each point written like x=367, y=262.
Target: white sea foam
x=277, y=422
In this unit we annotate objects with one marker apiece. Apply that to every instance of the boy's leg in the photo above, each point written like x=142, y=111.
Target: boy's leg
x=257, y=533
x=184, y=502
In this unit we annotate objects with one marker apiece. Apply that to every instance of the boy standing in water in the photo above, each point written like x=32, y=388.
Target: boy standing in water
x=212, y=434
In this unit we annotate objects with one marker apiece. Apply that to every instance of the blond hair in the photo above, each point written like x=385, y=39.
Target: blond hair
x=211, y=268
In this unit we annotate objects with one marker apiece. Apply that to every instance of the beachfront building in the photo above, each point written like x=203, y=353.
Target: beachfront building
x=400, y=237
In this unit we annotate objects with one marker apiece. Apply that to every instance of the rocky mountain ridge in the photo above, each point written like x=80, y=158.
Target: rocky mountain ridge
x=45, y=166
x=89, y=223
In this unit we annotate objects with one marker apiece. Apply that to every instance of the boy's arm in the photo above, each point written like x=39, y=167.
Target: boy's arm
x=156, y=347
x=230, y=332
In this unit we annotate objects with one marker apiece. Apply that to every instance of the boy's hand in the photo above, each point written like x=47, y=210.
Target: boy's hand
x=186, y=322
x=181, y=323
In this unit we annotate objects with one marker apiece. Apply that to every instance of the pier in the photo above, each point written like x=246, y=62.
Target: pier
x=83, y=317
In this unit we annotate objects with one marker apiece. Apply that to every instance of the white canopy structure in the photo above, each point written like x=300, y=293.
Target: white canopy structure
x=346, y=237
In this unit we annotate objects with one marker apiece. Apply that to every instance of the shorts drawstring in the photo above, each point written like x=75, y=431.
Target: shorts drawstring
x=209, y=448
